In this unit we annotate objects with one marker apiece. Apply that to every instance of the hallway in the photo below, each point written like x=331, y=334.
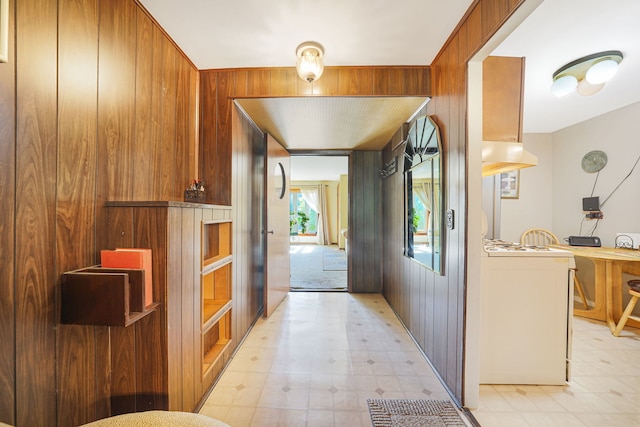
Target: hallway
x=317, y=360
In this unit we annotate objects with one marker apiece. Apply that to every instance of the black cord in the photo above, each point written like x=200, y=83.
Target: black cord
x=594, y=183
x=618, y=186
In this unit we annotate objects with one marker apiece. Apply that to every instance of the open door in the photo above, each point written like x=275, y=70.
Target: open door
x=276, y=234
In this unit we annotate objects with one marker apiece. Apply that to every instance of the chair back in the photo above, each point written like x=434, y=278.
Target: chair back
x=539, y=237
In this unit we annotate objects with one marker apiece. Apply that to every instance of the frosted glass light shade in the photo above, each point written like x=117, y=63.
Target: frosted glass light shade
x=602, y=71
x=587, y=89
x=309, y=64
x=564, y=85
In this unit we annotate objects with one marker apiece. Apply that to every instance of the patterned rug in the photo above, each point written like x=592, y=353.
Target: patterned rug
x=414, y=413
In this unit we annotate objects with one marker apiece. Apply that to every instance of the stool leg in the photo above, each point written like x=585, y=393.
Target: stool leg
x=578, y=286
x=625, y=315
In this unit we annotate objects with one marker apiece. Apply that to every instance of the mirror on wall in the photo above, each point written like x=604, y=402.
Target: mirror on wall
x=424, y=199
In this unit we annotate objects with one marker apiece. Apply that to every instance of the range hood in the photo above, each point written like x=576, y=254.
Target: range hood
x=503, y=156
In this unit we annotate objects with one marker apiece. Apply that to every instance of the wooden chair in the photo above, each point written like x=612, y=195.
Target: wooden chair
x=542, y=237
x=634, y=291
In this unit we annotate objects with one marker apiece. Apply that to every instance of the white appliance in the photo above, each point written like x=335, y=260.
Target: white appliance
x=527, y=306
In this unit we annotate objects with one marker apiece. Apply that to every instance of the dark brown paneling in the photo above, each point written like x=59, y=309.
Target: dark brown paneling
x=151, y=230
x=75, y=215
x=36, y=120
x=219, y=87
x=168, y=121
x=154, y=156
x=143, y=147
x=365, y=222
x=7, y=231
x=183, y=125
x=222, y=180
x=436, y=320
x=116, y=99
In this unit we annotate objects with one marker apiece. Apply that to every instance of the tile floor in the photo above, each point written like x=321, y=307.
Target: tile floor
x=604, y=390
x=322, y=354
x=317, y=360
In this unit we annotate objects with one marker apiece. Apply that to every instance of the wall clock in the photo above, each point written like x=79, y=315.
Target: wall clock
x=594, y=161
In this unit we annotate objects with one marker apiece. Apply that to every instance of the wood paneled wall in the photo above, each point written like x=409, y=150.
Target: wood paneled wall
x=365, y=222
x=220, y=87
x=432, y=306
x=97, y=104
x=7, y=230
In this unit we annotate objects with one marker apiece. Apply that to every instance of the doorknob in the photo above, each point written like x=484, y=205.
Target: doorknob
x=268, y=232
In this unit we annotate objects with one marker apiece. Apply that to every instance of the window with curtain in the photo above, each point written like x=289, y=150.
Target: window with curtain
x=303, y=218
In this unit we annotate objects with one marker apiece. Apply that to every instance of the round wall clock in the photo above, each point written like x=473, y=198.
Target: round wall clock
x=594, y=161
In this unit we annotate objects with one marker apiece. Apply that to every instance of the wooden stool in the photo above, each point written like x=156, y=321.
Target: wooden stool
x=634, y=291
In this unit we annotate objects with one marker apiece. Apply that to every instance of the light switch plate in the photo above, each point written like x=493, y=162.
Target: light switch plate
x=450, y=219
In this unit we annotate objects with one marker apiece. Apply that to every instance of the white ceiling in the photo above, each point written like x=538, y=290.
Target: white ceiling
x=558, y=32
x=253, y=33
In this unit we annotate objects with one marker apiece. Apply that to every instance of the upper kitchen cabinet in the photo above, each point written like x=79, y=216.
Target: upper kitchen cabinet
x=502, y=98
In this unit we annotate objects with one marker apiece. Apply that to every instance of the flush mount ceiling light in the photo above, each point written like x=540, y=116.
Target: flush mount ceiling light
x=309, y=64
x=586, y=75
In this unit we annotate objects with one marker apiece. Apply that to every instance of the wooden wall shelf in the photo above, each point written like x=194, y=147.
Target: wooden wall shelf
x=216, y=241
x=103, y=296
x=216, y=339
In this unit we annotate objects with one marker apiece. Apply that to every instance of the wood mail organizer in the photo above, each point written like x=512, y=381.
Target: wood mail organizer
x=104, y=296
x=216, y=298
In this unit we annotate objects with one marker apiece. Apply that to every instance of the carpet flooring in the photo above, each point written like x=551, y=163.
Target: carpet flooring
x=317, y=268
x=413, y=412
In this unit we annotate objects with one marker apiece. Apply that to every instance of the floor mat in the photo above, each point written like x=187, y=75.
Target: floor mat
x=412, y=412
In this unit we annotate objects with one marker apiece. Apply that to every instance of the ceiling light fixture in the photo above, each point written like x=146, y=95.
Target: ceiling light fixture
x=309, y=64
x=586, y=75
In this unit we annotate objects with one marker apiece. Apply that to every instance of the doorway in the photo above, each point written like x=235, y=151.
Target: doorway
x=318, y=220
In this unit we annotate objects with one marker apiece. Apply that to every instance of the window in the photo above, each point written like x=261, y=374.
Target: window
x=303, y=219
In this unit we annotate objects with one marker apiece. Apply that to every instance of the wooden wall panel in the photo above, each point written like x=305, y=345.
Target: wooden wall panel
x=437, y=320
x=7, y=229
x=183, y=82
x=225, y=83
x=219, y=87
x=159, y=184
x=365, y=222
x=75, y=216
x=116, y=99
x=143, y=145
x=168, y=120
x=189, y=334
x=36, y=123
x=151, y=228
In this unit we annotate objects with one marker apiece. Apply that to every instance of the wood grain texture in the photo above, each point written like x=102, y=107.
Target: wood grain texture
x=219, y=87
x=436, y=320
x=7, y=230
x=75, y=216
x=168, y=120
x=143, y=146
x=365, y=222
x=36, y=123
x=116, y=99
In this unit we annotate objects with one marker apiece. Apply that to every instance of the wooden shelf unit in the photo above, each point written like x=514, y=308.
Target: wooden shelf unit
x=216, y=289
x=215, y=340
x=216, y=295
x=162, y=355
x=216, y=241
